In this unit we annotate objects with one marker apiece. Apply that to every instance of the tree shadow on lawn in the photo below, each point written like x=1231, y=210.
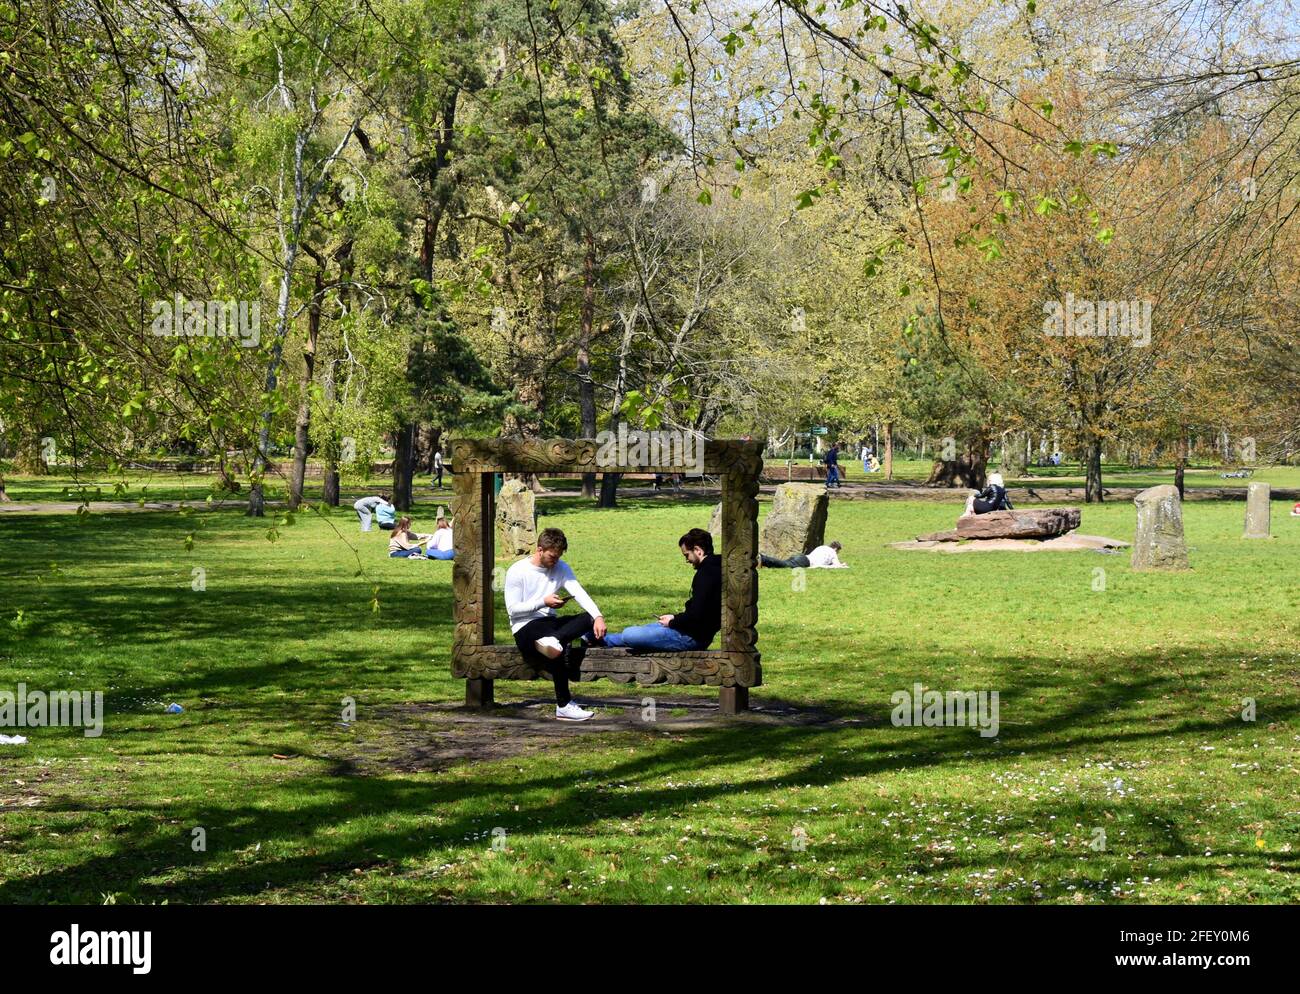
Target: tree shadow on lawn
x=823, y=755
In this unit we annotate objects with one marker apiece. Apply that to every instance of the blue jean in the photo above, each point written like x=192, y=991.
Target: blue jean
x=832, y=475
x=440, y=553
x=405, y=553
x=659, y=637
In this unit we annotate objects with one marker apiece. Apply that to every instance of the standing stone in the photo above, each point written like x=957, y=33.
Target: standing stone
x=797, y=522
x=715, y=527
x=1258, y=511
x=516, y=519
x=1159, y=541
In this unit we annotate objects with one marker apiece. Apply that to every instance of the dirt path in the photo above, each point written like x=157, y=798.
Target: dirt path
x=428, y=737
x=1021, y=496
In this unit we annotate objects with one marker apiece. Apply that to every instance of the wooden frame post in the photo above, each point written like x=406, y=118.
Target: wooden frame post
x=733, y=668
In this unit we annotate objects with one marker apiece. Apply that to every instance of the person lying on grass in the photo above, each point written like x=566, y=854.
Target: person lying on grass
x=541, y=635
x=695, y=626
x=992, y=498
x=405, y=543
x=822, y=557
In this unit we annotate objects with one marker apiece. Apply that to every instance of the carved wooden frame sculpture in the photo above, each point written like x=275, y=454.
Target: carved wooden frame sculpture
x=733, y=669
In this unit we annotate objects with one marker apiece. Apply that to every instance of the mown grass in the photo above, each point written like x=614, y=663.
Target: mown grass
x=1120, y=710
x=63, y=486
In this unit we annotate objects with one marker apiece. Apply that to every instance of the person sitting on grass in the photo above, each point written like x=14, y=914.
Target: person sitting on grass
x=406, y=544
x=822, y=557
x=541, y=635
x=992, y=498
x=441, y=545
x=698, y=623
x=386, y=514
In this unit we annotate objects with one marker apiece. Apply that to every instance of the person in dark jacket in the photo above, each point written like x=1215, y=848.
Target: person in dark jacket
x=992, y=498
x=832, y=461
x=697, y=624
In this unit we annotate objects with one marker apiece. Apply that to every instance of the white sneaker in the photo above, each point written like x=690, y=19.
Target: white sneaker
x=549, y=647
x=572, y=712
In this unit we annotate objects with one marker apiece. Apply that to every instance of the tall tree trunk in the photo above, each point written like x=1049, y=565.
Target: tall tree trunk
x=436, y=199
x=330, y=481
x=304, y=198
x=403, y=466
x=1092, y=490
x=30, y=457
x=4, y=495
x=889, y=450
x=256, y=494
x=587, y=389
x=1180, y=465
x=609, y=481
x=426, y=441
x=609, y=490
x=302, y=430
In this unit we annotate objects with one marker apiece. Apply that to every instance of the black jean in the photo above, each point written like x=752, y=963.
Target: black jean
x=771, y=562
x=565, y=629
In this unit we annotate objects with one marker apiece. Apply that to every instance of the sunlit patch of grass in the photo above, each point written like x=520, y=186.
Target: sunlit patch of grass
x=1120, y=709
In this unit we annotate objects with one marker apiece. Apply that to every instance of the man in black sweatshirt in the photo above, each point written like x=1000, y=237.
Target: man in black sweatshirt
x=697, y=625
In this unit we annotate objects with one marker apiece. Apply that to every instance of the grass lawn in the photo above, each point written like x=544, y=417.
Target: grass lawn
x=195, y=488
x=1120, y=710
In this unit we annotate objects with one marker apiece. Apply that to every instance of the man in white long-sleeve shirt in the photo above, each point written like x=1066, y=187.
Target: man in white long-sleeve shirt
x=543, y=637
x=822, y=557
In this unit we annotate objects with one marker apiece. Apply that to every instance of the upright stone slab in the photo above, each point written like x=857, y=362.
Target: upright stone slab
x=1258, y=511
x=516, y=519
x=715, y=527
x=797, y=522
x=1159, y=543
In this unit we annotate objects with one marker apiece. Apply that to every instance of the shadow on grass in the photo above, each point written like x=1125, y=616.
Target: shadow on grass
x=569, y=803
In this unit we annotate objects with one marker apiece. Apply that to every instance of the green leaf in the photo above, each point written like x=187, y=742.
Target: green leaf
x=805, y=199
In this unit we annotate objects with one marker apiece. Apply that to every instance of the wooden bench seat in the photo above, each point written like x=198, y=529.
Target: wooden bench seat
x=709, y=667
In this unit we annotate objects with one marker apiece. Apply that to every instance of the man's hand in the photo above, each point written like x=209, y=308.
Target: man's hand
x=598, y=627
x=553, y=600
x=665, y=620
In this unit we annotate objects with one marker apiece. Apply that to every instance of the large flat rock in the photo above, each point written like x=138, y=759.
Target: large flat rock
x=1072, y=542
x=1037, y=522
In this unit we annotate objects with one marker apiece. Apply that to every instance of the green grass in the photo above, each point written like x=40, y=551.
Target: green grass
x=1120, y=709
x=171, y=485
x=195, y=488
